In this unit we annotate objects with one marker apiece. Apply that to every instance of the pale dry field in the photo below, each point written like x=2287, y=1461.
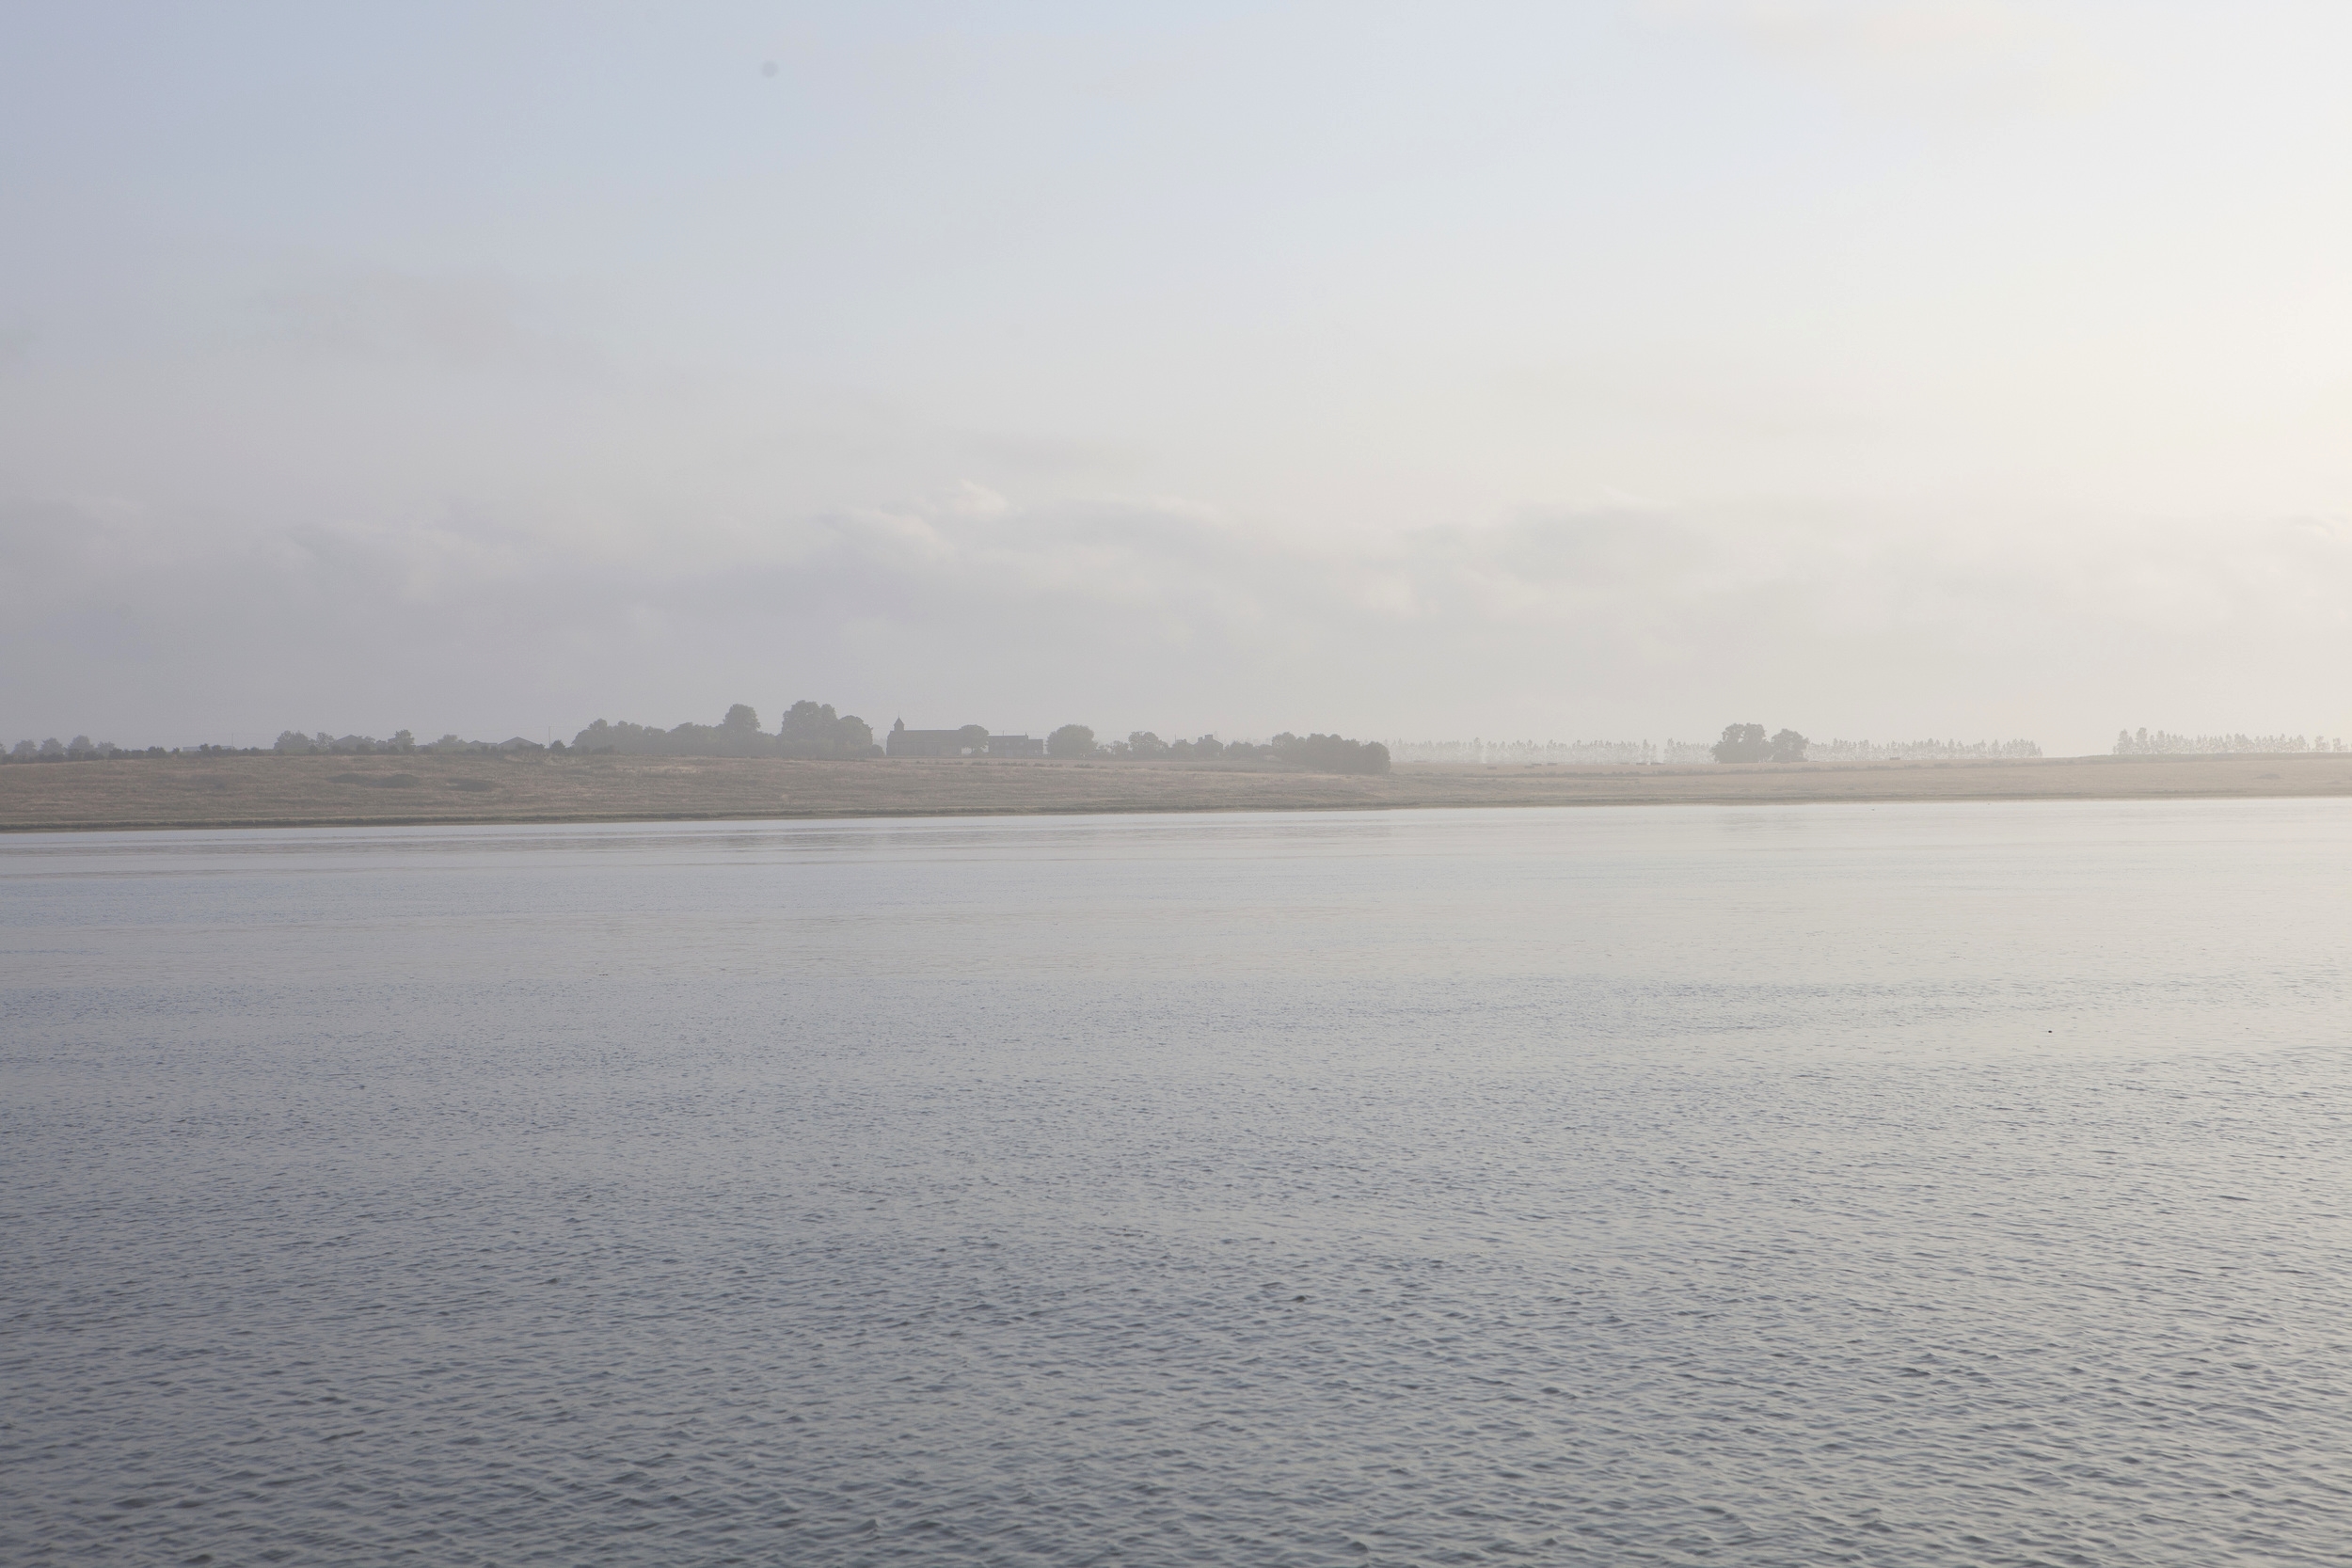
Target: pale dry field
x=216, y=792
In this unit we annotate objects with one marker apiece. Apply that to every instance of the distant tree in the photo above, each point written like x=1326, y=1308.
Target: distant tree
x=741, y=718
x=1788, y=746
x=972, y=739
x=1070, y=741
x=1327, y=753
x=404, y=742
x=1143, y=743
x=24, y=751
x=807, y=724
x=1742, y=743
x=596, y=737
x=53, y=749
x=814, y=730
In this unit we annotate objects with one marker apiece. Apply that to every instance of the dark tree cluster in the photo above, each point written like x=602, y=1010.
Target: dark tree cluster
x=810, y=730
x=1144, y=745
x=813, y=730
x=1748, y=743
x=1329, y=754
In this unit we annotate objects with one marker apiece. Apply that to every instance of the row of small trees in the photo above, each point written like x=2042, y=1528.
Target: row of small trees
x=809, y=730
x=1323, y=754
x=80, y=749
x=294, y=743
x=2128, y=744
x=1918, y=750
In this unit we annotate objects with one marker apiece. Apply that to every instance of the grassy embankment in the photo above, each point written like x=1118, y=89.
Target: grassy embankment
x=214, y=792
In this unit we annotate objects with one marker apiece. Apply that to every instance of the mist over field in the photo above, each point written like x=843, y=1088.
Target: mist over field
x=1889, y=371
x=858, y=781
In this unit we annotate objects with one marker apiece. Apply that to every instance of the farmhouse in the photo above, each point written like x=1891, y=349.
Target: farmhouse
x=970, y=741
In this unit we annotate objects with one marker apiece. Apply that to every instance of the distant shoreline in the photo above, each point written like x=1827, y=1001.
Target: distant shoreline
x=186, y=792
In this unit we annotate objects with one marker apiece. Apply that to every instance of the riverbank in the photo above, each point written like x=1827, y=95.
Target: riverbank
x=314, y=791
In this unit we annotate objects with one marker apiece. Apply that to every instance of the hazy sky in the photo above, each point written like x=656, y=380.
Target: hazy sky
x=1540, y=371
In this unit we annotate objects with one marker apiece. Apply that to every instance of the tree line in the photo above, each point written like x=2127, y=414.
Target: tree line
x=80, y=749
x=808, y=730
x=1320, y=753
x=2142, y=744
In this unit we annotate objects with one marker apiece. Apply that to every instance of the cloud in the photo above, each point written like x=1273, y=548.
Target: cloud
x=1621, y=621
x=1972, y=57
x=1045, y=456
x=452, y=322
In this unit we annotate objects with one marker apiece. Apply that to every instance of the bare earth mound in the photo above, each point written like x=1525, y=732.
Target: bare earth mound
x=213, y=792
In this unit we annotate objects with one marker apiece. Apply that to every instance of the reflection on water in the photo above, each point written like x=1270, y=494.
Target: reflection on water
x=1929, y=1184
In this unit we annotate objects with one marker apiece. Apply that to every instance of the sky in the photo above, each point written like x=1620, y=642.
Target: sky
x=1929, y=368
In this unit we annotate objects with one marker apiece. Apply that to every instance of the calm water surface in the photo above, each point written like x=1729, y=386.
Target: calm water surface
x=1907, y=1186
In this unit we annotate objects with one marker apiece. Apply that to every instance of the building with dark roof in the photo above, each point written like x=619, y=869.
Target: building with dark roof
x=970, y=741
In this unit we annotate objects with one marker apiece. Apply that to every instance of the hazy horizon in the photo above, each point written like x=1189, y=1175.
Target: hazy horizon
x=1935, y=368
